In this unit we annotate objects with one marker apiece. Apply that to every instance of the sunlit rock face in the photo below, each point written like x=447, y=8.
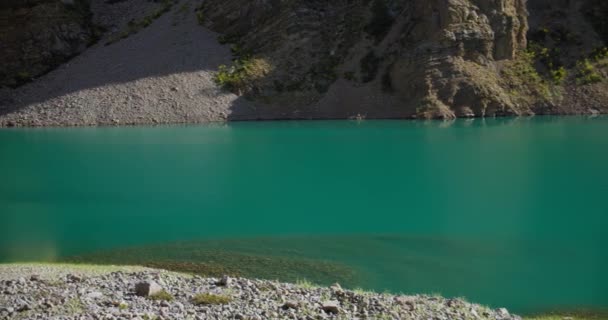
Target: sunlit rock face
x=437, y=57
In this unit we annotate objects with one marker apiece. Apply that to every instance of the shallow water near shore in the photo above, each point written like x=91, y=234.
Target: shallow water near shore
x=505, y=212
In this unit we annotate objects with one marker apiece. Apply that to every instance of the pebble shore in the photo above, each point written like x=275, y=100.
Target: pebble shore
x=43, y=292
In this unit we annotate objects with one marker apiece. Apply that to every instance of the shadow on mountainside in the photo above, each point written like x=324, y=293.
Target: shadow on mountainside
x=172, y=59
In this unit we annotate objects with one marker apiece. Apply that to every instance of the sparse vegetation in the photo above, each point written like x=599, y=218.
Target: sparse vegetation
x=240, y=76
x=559, y=75
x=305, y=284
x=524, y=80
x=599, y=54
x=162, y=296
x=586, y=73
x=210, y=299
x=134, y=26
x=200, y=17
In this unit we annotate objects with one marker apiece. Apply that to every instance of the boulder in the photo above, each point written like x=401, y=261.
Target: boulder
x=224, y=281
x=147, y=288
x=331, y=307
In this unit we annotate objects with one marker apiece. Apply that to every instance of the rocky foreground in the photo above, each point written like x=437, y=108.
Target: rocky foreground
x=64, y=292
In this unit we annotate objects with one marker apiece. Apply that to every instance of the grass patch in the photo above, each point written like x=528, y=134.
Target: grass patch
x=162, y=296
x=305, y=284
x=204, y=299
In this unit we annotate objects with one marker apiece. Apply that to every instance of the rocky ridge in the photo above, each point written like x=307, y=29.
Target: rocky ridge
x=156, y=294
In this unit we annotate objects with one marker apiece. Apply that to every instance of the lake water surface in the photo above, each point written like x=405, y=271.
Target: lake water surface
x=505, y=212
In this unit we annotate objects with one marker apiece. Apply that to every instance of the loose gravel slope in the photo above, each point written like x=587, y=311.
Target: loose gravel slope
x=161, y=74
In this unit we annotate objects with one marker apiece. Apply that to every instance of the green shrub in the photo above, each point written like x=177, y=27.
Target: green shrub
x=240, y=76
x=586, y=73
x=559, y=75
x=599, y=54
x=210, y=299
x=200, y=17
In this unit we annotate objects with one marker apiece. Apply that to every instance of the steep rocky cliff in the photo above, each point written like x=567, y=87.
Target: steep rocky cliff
x=390, y=58
x=38, y=35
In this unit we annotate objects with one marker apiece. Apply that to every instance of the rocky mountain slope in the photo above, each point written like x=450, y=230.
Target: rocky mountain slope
x=154, y=64
x=151, y=62
x=400, y=58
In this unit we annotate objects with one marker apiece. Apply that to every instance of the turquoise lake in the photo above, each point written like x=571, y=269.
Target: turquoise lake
x=505, y=212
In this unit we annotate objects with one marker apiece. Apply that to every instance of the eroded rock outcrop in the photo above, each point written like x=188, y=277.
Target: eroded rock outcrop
x=437, y=57
x=396, y=58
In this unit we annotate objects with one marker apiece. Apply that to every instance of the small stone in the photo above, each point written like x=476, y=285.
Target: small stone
x=336, y=287
x=503, y=313
x=95, y=295
x=407, y=303
x=290, y=305
x=35, y=277
x=331, y=307
x=74, y=278
x=24, y=307
x=474, y=313
x=147, y=288
x=224, y=281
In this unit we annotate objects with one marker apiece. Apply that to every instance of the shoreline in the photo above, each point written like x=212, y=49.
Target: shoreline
x=67, y=291
x=70, y=291
x=257, y=120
